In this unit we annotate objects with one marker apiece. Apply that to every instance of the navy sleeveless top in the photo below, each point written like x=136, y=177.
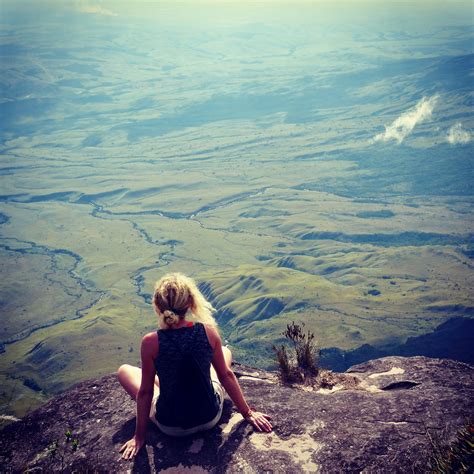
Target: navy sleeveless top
x=187, y=397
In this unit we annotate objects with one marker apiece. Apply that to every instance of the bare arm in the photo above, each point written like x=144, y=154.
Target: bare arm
x=232, y=386
x=149, y=350
x=145, y=393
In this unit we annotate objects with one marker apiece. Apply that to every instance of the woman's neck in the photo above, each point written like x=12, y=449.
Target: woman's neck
x=182, y=324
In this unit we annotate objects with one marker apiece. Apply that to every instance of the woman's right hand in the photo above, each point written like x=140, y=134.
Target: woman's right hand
x=259, y=421
x=131, y=447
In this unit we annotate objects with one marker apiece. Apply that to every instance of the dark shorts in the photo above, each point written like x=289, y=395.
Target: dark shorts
x=176, y=430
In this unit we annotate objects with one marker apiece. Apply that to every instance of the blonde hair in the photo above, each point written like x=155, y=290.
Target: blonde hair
x=177, y=297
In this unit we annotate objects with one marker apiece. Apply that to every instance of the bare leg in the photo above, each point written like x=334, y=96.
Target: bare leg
x=228, y=362
x=130, y=378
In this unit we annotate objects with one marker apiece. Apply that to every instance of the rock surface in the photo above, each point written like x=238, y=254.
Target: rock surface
x=380, y=427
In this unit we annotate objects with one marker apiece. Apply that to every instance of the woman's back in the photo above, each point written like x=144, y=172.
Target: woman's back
x=176, y=363
x=187, y=397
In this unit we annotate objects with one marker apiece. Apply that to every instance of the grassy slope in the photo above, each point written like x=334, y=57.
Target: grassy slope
x=254, y=173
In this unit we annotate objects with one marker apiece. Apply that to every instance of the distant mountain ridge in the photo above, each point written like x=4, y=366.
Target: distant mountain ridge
x=453, y=339
x=255, y=304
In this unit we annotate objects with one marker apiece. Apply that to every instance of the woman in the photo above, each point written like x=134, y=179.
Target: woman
x=176, y=387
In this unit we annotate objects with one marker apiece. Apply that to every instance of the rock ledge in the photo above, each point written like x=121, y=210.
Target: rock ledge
x=380, y=427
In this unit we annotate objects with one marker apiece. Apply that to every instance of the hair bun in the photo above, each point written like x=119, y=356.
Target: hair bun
x=170, y=317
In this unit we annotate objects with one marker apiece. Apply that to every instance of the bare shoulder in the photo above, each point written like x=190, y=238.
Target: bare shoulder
x=150, y=337
x=212, y=335
x=150, y=344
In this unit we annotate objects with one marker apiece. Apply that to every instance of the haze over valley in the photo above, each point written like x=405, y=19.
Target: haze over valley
x=309, y=162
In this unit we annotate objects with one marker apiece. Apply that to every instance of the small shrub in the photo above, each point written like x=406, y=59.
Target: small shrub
x=288, y=372
x=75, y=444
x=283, y=362
x=58, y=454
x=304, y=362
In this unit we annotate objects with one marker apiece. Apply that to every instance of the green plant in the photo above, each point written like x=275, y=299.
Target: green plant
x=58, y=453
x=287, y=370
x=304, y=362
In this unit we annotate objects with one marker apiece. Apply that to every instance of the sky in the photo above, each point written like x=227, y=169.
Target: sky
x=145, y=8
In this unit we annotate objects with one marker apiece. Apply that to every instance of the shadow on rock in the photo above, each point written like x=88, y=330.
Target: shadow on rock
x=125, y=433
x=210, y=450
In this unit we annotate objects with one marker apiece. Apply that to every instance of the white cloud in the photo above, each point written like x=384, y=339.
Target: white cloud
x=457, y=135
x=96, y=9
x=404, y=125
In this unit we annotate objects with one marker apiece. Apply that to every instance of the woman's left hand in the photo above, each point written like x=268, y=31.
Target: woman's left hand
x=259, y=420
x=131, y=447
